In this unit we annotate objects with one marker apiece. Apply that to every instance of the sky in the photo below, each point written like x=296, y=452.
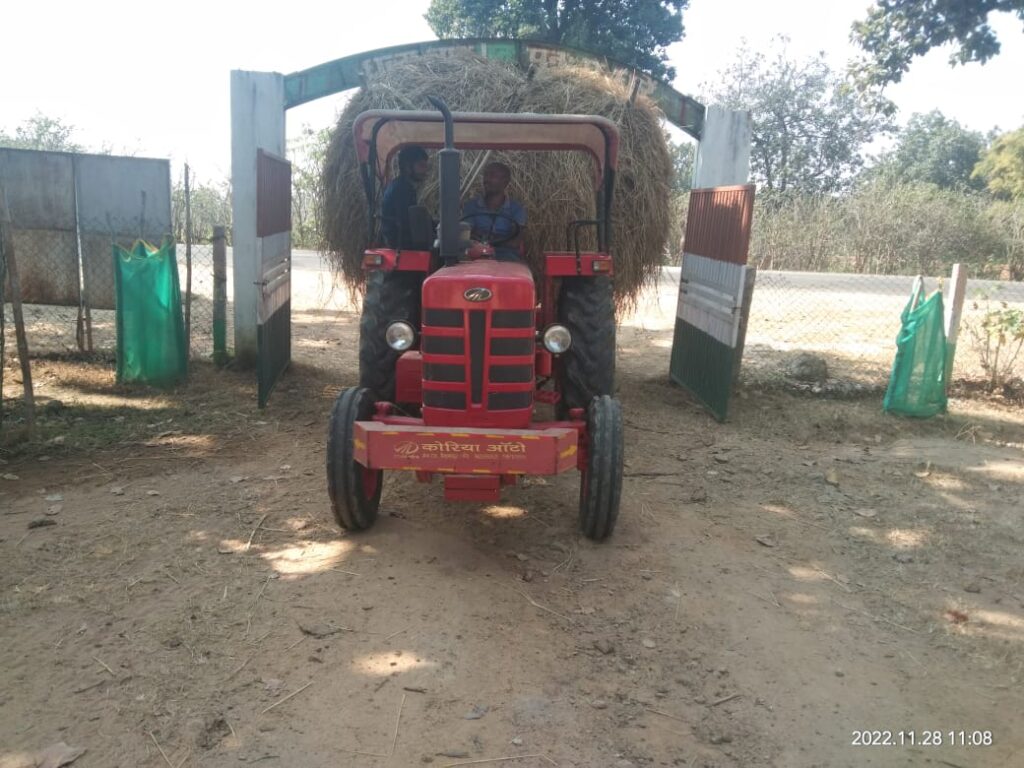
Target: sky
x=158, y=85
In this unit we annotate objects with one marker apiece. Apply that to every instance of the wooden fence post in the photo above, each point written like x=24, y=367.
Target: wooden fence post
x=7, y=244
x=188, y=265
x=957, y=291
x=220, y=296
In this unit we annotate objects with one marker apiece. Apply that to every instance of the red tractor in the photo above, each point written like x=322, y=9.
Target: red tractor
x=456, y=349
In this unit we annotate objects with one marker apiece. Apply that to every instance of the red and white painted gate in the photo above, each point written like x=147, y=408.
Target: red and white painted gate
x=714, y=280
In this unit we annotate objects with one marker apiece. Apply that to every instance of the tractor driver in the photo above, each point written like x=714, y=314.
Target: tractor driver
x=400, y=196
x=494, y=216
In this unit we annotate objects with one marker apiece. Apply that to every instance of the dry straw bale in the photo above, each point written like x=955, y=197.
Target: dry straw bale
x=555, y=187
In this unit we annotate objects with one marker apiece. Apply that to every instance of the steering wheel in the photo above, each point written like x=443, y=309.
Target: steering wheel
x=516, y=229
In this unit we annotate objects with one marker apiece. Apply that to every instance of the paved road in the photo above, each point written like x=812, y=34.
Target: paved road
x=302, y=260
x=311, y=263
x=308, y=261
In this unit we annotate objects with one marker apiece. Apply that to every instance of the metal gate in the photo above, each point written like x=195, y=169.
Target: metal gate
x=715, y=287
x=274, y=256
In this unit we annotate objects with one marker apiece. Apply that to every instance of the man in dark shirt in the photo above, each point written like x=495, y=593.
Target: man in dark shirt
x=400, y=195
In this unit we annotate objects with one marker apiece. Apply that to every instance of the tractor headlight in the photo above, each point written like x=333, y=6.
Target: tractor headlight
x=557, y=339
x=400, y=336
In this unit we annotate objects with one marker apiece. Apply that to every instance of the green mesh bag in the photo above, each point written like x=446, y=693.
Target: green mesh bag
x=917, y=386
x=151, y=345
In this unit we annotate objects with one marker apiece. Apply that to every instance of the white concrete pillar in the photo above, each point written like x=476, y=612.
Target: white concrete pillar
x=257, y=122
x=723, y=154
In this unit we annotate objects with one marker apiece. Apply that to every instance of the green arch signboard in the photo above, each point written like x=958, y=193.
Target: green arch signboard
x=348, y=72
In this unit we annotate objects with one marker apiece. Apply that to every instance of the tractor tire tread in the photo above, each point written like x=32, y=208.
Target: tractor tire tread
x=601, y=484
x=390, y=296
x=586, y=307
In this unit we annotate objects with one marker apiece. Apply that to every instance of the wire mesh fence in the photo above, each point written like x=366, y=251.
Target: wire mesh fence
x=199, y=298
x=68, y=289
x=851, y=322
x=3, y=322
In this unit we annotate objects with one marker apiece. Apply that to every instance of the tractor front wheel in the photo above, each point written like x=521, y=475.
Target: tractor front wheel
x=354, y=489
x=601, y=482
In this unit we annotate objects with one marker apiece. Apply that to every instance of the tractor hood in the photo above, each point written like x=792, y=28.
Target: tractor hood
x=507, y=285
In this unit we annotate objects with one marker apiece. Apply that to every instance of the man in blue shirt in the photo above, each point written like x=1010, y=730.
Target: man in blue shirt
x=495, y=217
x=400, y=196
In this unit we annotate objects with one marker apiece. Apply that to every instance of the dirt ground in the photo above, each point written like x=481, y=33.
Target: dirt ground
x=175, y=592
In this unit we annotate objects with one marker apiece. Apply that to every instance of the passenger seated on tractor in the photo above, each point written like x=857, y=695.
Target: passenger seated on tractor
x=496, y=218
x=400, y=196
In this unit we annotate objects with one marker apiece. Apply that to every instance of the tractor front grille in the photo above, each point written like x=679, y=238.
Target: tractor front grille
x=455, y=401
x=478, y=359
x=443, y=318
x=444, y=372
x=514, y=347
x=512, y=318
x=507, y=401
x=511, y=374
x=444, y=345
x=477, y=331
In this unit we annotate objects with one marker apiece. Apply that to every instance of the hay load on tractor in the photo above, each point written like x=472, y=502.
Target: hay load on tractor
x=462, y=349
x=556, y=188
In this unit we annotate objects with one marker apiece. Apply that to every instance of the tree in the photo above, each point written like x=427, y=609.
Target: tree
x=897, y=31
x=307, y=154
x=210, y=204
x=42, y=132
x=1002, y=166
x=682, y=155
x=936, y=150
x=809, y=124
x=634, y=32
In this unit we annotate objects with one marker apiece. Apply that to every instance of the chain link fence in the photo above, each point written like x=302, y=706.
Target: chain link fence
x=198, y=301
x=68, y=289
x=851, y=321
x=3, y=322
x=848, y=320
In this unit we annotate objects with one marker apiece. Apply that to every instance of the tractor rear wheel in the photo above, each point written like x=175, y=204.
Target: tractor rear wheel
x=390, y=296
x=586, y=306
x=354, y=489
x=601, y=482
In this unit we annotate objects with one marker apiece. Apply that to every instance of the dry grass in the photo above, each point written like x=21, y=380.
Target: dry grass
x=555, y=187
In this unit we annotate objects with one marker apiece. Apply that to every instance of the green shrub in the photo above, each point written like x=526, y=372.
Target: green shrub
x=884, y=228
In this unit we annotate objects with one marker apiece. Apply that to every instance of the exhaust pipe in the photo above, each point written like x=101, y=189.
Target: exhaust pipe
x=448, y=172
